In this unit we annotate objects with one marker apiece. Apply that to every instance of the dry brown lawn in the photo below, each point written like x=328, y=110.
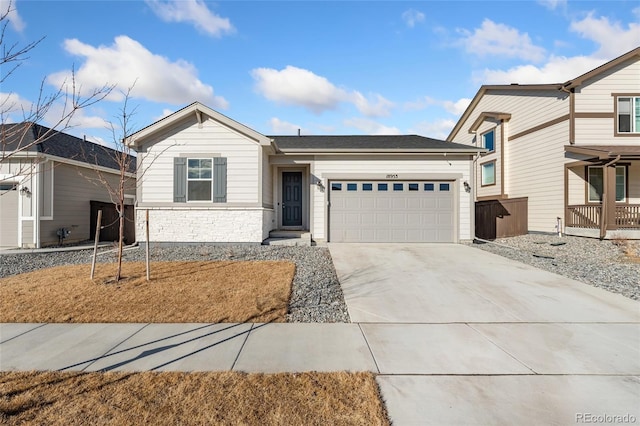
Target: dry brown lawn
x=55, y=398
x=225, y=291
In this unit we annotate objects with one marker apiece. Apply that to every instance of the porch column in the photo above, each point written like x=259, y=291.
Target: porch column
x=608, y=199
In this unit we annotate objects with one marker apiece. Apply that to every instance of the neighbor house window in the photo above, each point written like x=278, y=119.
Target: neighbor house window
x=596, y=184
x=629, y=114
x=199, y=179
x=488, y=173
x=488, y=140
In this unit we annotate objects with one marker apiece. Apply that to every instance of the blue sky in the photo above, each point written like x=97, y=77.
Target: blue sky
x=347, y=67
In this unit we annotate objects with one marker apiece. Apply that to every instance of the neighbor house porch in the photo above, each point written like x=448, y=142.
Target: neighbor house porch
x=602, y=193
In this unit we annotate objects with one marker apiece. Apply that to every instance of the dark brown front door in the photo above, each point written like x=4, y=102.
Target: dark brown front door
x=291, y=198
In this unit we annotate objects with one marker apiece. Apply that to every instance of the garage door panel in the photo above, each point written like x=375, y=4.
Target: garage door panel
x=420, y=212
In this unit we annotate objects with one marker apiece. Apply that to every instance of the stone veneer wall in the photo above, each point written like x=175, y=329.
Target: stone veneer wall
x=204, y=225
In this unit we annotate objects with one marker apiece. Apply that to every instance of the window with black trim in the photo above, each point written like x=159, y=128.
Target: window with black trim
x=335, y=186
x=352, y=187
x=382, y=187
x=628, y=110
x=367, y=187
x=444, y=187
x=429, y=187
x=413, y=187
x=398, y=187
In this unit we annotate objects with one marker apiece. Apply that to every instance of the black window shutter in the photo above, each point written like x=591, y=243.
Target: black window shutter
x=219, y=180
x=179, y=180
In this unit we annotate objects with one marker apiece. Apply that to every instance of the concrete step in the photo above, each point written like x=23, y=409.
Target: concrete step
x=288, y=238
x=287, y=242
x=289, y=234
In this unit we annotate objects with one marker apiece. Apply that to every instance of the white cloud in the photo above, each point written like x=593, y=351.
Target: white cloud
x=371, y=127
x=9, y=7
x=557, y=70
x=127, y=62
x=301, y=87
x=280, y=127
x=412, y=17
x=553, y=4
x=455, y=108
x=194, y=12
x=14, y=108
x=612, y=37
x=493, y=39
x=438, y=129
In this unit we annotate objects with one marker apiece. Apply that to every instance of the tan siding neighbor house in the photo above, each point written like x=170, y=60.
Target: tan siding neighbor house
x=49, y=186
x=570, y=150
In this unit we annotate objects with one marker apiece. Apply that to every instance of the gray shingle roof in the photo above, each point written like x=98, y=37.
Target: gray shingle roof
x=59, y=144
x=365, y=143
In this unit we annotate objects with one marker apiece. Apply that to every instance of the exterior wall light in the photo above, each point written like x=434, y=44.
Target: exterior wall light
x=467, y=187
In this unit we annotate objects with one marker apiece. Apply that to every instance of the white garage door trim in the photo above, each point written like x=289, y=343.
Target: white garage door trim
x=9, y=210
x=392, y=210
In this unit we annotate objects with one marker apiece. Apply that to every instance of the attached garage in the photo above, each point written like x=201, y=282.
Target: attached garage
x=392, y=211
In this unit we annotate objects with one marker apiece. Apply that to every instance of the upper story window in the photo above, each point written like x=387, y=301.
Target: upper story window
x=629, y=114
x=488, y=140
x=199, y=179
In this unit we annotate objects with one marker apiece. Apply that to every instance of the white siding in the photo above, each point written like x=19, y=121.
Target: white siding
x=536, y=171
x=402, y=166
x=634, y=182
x=577, y=185
x=528, y=109
x=267, y=181
x=595, y=94
x=212, y=138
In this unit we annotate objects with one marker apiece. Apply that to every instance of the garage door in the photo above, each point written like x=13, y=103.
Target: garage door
x=391, y=211
x=8, y=215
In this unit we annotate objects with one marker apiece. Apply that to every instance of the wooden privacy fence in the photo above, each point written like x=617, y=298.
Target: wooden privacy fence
x=501, y=218
x=111, y=223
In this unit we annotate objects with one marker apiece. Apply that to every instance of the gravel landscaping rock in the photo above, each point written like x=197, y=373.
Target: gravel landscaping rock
x=613, y=265
x=316, y=295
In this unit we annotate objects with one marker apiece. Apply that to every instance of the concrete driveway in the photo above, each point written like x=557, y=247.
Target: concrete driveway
x=462, y=336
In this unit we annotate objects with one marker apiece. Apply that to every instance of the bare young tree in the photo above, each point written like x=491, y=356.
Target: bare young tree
x=125, y=162
x=16, y=138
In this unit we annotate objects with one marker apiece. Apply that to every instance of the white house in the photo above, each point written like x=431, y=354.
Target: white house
x=204, y=177
x=572, y=150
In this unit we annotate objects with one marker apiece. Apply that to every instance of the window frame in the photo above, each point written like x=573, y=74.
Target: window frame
x=482, y=173
x=210, y=179
x=483, y=140
x=625, y=174
x=635, y=107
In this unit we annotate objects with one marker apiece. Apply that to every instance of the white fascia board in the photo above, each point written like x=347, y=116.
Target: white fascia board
x=194, y=109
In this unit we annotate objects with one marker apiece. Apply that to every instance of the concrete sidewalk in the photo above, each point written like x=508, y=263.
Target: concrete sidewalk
x=486, y=371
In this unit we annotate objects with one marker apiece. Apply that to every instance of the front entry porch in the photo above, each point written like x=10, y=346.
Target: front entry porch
x=602, y=193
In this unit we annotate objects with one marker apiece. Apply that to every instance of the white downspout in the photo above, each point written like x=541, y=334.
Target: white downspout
x=35, y=183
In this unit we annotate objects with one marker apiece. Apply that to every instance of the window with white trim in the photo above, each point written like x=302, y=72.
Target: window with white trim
x=489, y=140
x=488, y=171
x=628, y=114
x=596, y=183
x=199, y=179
